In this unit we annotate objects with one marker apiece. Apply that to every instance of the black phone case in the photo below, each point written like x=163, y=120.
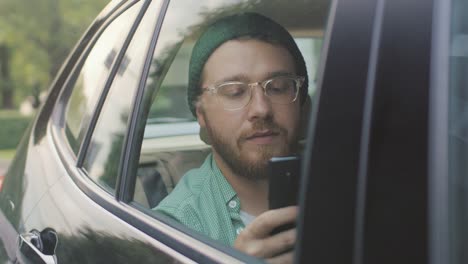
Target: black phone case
x=284, y=175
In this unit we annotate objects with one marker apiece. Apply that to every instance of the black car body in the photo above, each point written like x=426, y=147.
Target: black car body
x=383, y=174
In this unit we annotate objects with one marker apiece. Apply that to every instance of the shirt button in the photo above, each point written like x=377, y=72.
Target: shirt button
x=232, y=204
x=239, y=230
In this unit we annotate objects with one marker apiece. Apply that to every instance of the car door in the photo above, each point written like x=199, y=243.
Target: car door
x=380, y=157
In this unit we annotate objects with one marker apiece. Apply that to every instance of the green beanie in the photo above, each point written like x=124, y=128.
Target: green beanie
x=236, y=26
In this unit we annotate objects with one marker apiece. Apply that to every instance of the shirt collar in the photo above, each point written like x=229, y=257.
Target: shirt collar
x=225, y=188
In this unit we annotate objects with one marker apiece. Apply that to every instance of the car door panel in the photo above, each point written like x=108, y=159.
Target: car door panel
x=372, y=208
x=89, y=233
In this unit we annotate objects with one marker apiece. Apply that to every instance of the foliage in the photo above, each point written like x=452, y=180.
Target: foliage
x=39, y=35
x=13, y=128
x=9, y=114
x=7, y=154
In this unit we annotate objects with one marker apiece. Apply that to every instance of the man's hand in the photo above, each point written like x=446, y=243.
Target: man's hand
x=256, y=239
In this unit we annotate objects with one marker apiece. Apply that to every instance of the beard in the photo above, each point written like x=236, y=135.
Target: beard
x=241, y=165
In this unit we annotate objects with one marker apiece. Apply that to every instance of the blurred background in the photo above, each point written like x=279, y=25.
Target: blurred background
x=36, y=36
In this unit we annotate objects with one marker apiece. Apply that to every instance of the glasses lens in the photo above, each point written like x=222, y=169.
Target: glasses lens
x=282, y=90
x=233, y=95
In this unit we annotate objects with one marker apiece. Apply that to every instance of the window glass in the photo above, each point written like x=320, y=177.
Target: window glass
x=93, y=75
x=174, y=144
x=458, y=131
x=102, y=159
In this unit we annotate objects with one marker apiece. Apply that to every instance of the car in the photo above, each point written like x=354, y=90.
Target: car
x=383, y=174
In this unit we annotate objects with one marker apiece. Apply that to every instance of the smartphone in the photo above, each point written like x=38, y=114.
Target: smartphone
x=284, y=174
x=283, y=191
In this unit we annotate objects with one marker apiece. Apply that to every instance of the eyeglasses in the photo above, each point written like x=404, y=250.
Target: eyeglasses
x=236, y=95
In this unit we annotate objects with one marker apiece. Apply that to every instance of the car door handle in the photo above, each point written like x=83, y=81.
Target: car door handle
x=38, y=247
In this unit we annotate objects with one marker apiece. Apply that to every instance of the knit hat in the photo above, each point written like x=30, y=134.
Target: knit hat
x=236, y=26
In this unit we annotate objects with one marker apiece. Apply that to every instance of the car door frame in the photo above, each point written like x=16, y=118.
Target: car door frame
x=440, y=242
x=327, y=216
x=345, y=208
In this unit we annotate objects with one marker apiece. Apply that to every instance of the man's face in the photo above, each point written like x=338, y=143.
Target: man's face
x=246, y=139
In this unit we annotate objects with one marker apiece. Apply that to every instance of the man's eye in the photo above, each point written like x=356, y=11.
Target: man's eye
x=280, y=86
x=278, y=90
x=232, y=90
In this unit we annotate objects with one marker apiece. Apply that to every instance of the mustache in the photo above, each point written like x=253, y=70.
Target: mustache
x=262, y=125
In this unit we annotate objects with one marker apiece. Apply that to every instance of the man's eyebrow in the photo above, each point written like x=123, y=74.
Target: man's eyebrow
x=244, y=78
x=279, y=73
x=234, y=78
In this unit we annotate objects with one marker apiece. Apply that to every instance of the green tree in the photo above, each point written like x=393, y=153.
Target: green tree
x=5, y=77
x=39, y=34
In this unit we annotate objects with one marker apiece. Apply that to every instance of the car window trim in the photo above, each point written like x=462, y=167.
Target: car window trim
x=72, y=62
x=126, y=183
x=103, y=96
x=59, y=112
x=439, y=191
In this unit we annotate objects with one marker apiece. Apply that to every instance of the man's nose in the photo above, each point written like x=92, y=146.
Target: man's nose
x=260, y=105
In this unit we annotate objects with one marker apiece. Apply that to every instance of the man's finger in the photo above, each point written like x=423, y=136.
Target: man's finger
x=270, y=246
x=280, y=243
x=285, y=258
x=266, y=222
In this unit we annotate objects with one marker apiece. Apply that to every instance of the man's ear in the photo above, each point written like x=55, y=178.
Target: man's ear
x=305, y=114
x=200, y=114
x=201, y=121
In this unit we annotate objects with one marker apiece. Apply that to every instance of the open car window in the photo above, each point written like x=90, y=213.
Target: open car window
x=170, y=140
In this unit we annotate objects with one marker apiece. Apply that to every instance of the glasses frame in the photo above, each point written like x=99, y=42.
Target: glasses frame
x=213, y=89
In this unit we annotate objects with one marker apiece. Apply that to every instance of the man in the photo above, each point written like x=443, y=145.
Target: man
x=247, y=83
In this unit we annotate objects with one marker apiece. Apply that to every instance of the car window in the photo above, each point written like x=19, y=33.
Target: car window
x=173, y=143
x=102, y=159
x=458, y=133
x=92, y=77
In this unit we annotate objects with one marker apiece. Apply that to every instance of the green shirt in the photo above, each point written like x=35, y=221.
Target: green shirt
x=204, y=201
